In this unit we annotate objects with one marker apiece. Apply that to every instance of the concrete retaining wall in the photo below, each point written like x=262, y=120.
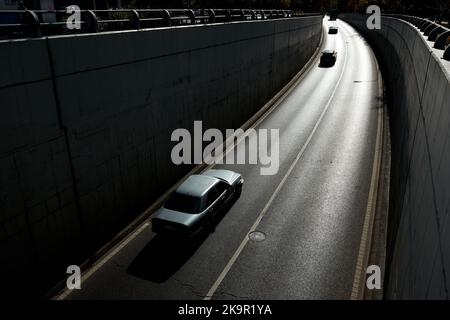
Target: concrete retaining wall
x=86, y=123
x=418, y=85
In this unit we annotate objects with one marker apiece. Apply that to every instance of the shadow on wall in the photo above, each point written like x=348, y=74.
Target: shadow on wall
x=86, y=137
x=418, y=94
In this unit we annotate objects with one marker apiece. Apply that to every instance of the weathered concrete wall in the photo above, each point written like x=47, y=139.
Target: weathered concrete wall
x=86, y=124
x=418, y=85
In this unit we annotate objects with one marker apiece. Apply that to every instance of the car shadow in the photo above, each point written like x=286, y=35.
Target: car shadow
x=166, y=254
x=163, y=256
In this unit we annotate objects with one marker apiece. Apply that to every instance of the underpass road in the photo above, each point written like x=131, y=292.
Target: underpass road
x=311, y=212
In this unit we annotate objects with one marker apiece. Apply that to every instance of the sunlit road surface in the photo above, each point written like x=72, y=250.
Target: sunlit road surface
x=311, y=212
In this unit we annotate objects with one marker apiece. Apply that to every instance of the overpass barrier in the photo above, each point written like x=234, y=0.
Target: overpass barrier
x=411, y=54
x=37, y=23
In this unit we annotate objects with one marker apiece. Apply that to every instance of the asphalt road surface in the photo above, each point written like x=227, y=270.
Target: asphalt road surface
x=311, y=212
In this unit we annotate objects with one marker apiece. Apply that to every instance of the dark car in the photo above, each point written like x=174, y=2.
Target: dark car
x=328, y=58
x=333, y=30
x=197, y=201
x=333, y=15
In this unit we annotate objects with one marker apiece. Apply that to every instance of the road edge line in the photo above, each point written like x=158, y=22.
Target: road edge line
x=377, y=253
x=359, y=279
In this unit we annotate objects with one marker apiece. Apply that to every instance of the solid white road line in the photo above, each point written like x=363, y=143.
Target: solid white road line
x=277, y=190
x=366, y=235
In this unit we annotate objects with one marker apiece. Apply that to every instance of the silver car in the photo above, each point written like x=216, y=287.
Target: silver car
x=197, y=201
x=333, y=30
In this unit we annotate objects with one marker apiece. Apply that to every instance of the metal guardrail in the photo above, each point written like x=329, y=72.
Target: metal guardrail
x=435, y=32
x=37, y=23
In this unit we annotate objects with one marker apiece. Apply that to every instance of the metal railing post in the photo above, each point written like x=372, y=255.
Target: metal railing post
x=212, y=15
x=168, y=18
x=136, y=19
x=242, y=14
x=228, y=15
x=441, y=40
x=32, y=18
x=92, y=21
x=446, y=55
x=191, y=15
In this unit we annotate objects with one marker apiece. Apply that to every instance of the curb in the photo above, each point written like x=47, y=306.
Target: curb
x=377, y=254
x=376, y=192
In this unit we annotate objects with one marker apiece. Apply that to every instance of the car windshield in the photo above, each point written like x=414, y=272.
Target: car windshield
x=183, y=203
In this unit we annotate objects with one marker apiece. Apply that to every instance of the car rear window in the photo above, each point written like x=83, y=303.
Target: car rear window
x=183, y=203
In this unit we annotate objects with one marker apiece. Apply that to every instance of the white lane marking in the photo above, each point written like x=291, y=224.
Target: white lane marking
x=275, y=101
x=366, y=235
x=277, y=190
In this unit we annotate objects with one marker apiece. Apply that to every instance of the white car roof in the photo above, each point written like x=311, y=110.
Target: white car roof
x=197, y=185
